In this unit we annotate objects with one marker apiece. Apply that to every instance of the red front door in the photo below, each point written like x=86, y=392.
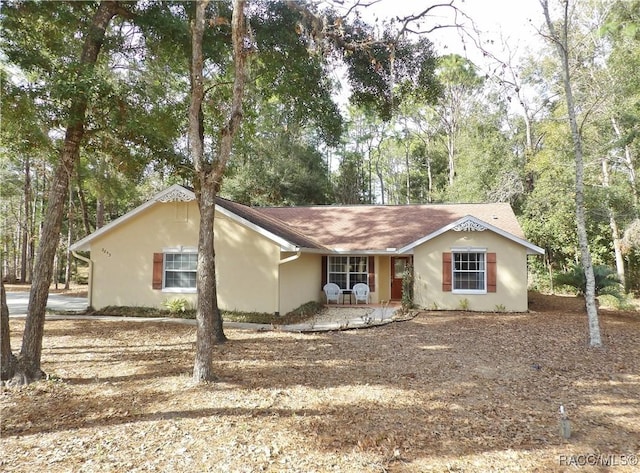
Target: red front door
x=398, y=266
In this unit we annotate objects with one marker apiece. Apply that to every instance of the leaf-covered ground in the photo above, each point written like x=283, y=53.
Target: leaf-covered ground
x=442, y=392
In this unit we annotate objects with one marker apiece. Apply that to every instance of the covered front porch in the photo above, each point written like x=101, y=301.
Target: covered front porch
x=383, y=274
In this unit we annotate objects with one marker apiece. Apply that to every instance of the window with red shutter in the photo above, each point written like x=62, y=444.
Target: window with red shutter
x=175, y=270
x=469, y=271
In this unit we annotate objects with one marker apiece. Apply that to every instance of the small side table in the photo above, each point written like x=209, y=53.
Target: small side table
x=346, y=292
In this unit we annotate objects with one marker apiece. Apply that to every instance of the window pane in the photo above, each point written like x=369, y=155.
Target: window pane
x=358, y=264
x=356, y=278
x=338, y=264
x=339, y=279
x=399, y=266
x=180, y=279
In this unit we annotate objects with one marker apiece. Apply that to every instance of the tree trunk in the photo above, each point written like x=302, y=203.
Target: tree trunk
x=25, y=221
x=84, y=211
x=99, y=212
x=7, y=358
x=31, y=351
x=208, y=318
x=451, y=153
x=562, y=45
x=628, y=161
x=67, y=263
x=203, y=363
x=208, y=180
x=613, y=224
x=408, y=165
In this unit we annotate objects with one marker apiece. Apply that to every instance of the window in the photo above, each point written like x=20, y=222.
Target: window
x=347, y=271
x=180, y=270
x=469, y=271
x=175, y=270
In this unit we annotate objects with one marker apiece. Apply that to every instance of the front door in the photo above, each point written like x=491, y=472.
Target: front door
x=398, y=266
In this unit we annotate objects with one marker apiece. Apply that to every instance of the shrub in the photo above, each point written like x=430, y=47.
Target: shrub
x=176, y=305
x=607, y=281
x=464, y=304
x=407, y=288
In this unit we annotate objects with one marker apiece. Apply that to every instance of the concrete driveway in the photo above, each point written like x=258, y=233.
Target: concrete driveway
x=18, y=302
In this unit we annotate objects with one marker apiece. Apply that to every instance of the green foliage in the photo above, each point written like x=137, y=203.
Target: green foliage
x=130, y=311
x=487, y=170
x=617, y=302
x=464, y=304
x=287, y=71
x=407, y=288
x=349, y=187
x=278, y=166
x=387, y=72
x=606, y=280
x=177, y=305
x=633, y=271
x=548, y=215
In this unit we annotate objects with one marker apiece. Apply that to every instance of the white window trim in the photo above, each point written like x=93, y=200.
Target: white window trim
x=177, y=290
x=453, y=271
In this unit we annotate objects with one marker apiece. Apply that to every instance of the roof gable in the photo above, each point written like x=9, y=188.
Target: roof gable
x=470, y=223
x=171, y=194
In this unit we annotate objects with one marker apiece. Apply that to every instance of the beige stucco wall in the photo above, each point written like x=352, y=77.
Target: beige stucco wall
x=123, y=260
x=247, y=268
x=300, y=281
x=511, y=291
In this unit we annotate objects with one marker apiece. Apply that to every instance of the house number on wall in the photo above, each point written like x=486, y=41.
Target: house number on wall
x=106, y=252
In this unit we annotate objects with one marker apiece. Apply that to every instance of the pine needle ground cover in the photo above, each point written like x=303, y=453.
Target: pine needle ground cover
x=441, y=392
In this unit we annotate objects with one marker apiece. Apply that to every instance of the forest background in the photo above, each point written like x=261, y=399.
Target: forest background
x=491, y=132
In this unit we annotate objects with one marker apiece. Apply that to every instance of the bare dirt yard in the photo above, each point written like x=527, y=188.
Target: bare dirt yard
x=443, y=392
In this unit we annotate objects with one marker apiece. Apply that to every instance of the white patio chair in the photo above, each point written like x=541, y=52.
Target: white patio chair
x=332, y=291
x=361, y=292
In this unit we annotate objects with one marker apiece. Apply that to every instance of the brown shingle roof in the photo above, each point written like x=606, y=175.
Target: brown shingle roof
x=379, y=227
x=271, y=224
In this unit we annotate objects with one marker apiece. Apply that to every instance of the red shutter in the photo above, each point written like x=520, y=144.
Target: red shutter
x=446, y=272
x=492, y=273
x=372, y=273
x=157, y=271
x=324, y=271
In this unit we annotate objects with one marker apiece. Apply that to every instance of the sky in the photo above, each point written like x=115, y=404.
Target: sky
x=516, y=21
